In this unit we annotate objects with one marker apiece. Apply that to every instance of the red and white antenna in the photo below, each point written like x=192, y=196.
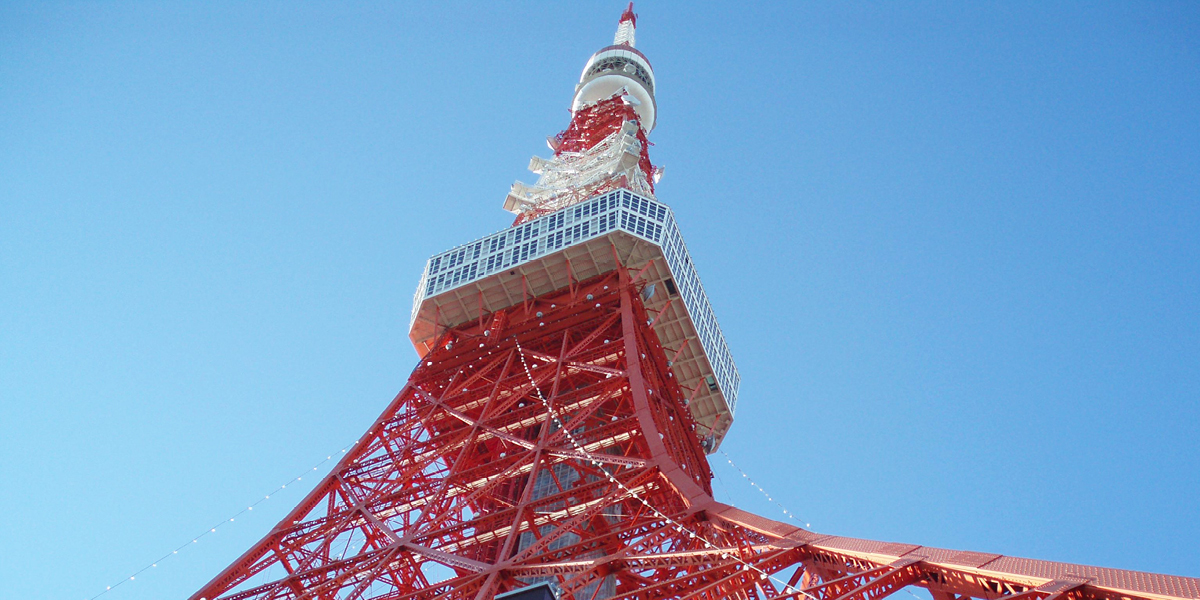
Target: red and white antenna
x=626, y=28
x=605, y=146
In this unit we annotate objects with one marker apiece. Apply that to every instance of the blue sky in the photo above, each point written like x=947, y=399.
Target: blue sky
x=955, y=249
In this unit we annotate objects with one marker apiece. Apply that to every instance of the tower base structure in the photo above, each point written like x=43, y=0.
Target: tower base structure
x=549, y=442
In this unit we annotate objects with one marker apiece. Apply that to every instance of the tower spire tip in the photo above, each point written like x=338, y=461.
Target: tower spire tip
x=626, y=28
x=628, y=15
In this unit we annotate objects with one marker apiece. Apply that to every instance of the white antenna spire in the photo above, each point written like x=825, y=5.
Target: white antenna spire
x=626, y=28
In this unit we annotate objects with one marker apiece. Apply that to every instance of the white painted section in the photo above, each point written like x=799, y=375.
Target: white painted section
x=596, y=86
x=626, y=34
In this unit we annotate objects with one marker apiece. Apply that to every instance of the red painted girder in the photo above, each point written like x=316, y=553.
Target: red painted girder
x=445, y=476
x=976, y=574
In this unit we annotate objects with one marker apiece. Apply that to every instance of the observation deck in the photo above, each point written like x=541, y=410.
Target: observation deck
x=497, y=271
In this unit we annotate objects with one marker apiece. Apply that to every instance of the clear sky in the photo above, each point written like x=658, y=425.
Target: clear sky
x=955, y=249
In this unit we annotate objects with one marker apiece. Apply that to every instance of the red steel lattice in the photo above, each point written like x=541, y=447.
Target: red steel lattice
x=551, y=442
x=589, y=126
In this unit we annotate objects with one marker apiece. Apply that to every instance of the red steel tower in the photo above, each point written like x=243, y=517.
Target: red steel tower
x=573, y=377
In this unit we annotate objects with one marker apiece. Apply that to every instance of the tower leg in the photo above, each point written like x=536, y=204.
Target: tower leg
x=550, y=442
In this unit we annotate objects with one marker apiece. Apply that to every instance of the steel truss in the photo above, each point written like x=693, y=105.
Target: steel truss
x=550, y=441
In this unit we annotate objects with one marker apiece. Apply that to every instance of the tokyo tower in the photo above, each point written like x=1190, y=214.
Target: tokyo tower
x=552, y=440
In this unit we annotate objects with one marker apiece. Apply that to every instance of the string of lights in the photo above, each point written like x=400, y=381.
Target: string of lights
x=574, y=441
x=781, y=506
x=678, y=526
x=213, y=529
x=764, y=492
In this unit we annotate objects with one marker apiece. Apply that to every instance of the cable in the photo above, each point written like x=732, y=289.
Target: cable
x=213, y=529
x=782, y=507
x=764, y=492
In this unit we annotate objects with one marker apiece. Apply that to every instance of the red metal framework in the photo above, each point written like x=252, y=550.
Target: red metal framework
x=592, y=124
x=550, y=441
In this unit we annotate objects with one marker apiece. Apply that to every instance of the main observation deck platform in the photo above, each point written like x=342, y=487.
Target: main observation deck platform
x=495, y=272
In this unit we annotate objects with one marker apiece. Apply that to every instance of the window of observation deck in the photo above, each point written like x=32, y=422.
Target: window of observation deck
x=622, y=65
